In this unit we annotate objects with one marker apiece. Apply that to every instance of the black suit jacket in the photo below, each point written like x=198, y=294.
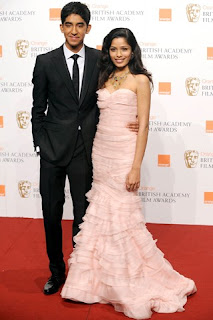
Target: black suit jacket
x=57, y=112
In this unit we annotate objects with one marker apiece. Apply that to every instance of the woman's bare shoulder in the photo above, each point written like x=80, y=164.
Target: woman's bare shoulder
x=141, y=79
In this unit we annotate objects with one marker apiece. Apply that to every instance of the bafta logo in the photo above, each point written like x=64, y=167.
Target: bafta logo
x=192, y=86
x=24, y=188
x=191, y=158
x=193, y=12
x=22, y=47
x=23, y=118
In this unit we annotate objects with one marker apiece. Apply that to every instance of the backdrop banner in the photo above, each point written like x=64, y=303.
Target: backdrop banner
x=177, y=48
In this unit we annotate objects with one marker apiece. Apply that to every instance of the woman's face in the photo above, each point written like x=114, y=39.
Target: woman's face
x=120, y=52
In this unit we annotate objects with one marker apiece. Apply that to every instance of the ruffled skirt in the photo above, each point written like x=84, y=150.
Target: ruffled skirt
x=115, y=259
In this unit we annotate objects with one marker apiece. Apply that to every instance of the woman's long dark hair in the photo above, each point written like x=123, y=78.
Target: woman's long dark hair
x=135, y=65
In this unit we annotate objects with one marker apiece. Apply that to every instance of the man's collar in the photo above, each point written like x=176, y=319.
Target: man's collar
x=68, y=53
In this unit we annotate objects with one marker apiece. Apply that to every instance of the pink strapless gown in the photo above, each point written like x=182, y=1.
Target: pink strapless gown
x=116, y=260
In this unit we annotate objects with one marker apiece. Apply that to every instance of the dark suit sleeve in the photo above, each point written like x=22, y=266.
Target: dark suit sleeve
x=40, y=93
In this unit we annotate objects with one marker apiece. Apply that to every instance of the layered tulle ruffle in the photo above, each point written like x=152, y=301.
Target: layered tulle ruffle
x=116, y=259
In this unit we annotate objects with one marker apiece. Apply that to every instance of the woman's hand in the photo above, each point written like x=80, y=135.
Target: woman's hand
x=133, y=180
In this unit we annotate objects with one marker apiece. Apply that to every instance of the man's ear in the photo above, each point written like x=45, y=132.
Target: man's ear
x=88, y=28
x=62, y=28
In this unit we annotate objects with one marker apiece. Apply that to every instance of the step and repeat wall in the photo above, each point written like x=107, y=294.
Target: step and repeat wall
x=177, y=47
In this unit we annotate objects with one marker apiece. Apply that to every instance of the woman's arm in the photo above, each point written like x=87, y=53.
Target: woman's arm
x=143, y=103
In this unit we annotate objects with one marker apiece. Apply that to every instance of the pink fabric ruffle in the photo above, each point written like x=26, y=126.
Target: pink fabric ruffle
x=116, y=259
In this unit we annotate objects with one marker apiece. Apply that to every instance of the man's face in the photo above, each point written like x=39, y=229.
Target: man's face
x=74, y=29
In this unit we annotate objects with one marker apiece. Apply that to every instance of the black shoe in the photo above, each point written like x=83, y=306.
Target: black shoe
x=53, y=284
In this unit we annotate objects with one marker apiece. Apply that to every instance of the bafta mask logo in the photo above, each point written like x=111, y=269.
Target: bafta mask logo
x=24, y=188
x=23, y=119
x=192, y=86
x=191, y=158
x=193, y=12
x=22, y=47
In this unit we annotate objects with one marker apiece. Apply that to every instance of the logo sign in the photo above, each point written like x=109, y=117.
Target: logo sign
x=22, y=47
x=163, y=160
x=165, y=14
x=209, y=126
x=2, y=190
x=164, y=88
x=1, y=122
x=55, y=14
x=191, y=158
x=99, y=47
x=208, y=197
x=23, y=118
x=24, y=188
x=193, y=12
x=210, y=53
x=192, y=86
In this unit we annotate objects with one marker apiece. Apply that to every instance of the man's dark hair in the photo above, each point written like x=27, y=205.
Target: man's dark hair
x=75, y=8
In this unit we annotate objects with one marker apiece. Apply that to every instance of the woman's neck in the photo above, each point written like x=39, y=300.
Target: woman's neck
x=120, y=71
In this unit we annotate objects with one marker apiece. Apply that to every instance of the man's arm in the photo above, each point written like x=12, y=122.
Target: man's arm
x=40, y=92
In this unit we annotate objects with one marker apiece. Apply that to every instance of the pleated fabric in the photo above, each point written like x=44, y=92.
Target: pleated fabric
x=116, y=259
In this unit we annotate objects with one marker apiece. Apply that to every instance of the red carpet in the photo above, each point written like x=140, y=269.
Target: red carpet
x=24, y=270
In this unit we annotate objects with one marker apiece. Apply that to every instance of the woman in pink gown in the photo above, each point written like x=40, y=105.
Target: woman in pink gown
x=115, y=259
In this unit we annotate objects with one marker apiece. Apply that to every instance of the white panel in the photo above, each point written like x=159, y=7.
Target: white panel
x=173, y=49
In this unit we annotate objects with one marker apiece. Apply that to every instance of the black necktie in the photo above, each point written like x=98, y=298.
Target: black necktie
x=75, y=73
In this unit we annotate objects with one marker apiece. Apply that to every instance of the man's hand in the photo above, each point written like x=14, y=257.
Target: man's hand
x=133, y=126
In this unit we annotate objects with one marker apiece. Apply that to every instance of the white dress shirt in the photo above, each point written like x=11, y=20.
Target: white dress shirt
x=81, y=60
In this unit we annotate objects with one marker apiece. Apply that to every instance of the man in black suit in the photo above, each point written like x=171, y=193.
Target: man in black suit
x=64, y=119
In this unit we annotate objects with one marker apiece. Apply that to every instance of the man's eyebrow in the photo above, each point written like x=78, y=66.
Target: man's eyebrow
x=68, y=23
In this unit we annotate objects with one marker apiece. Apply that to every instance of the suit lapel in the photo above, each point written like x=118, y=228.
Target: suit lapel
x=61, y=67
x=89, y=66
